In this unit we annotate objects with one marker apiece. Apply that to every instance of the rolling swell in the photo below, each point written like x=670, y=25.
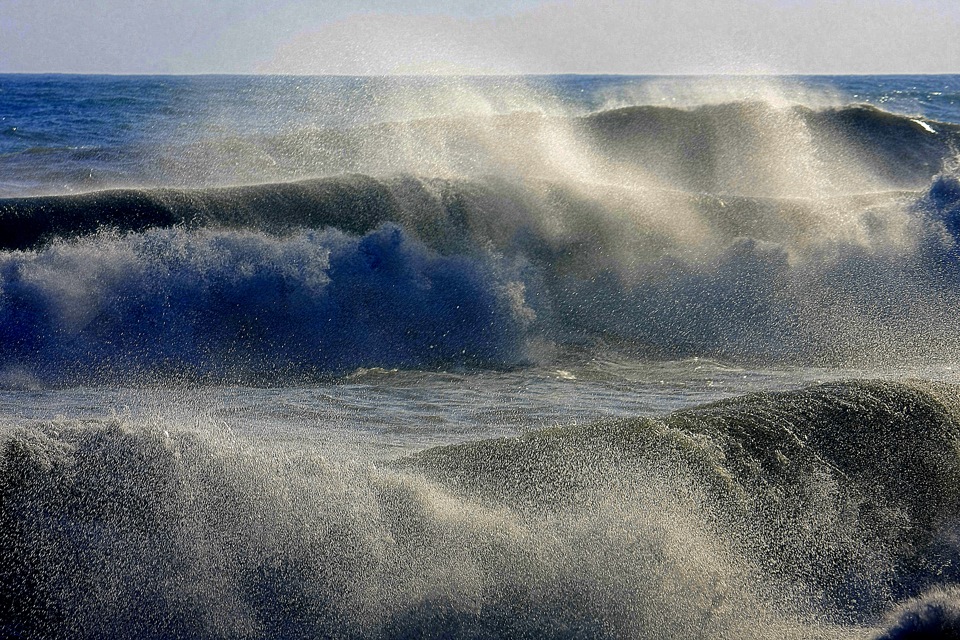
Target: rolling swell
x=449, y=214
x=802, y=514
x=353, y=204
x=743, y=147
x=751, y=148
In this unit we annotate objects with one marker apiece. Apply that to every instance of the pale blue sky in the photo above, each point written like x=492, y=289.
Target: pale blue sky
x=492, y=36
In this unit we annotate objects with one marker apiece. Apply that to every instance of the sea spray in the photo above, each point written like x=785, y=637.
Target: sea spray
x=755, y=517
x=473, y=274
x=231, y=305
x=460, y=357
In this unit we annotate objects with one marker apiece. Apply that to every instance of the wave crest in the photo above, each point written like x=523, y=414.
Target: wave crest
x=234, y=305
x=806, y=512
x=715, y=231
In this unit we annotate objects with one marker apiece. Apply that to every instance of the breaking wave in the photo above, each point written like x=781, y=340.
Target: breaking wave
x=233, y=305
x=739, y=231
x=801, y=514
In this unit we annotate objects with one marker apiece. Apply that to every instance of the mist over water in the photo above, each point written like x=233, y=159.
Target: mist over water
x=483, y=221
x=237, y=313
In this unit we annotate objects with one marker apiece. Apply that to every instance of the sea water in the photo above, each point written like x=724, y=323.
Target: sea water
x=479, y=357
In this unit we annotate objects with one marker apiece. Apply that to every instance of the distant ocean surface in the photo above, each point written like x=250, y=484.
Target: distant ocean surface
x=487, y=357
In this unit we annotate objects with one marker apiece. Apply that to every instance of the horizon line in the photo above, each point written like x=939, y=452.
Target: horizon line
x=470, y=75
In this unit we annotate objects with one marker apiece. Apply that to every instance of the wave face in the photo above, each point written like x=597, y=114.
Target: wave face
x=801, y=514
x=465, y=238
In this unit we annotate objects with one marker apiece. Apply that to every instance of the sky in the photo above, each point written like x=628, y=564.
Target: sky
x=480, y=36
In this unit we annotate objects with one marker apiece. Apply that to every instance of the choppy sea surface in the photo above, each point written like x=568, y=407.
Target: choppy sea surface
x=490, y=357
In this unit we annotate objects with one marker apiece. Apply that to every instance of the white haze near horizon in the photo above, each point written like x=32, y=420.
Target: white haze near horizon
x=359, y=37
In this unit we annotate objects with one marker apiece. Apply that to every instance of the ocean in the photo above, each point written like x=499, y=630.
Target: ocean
x=481, y=357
